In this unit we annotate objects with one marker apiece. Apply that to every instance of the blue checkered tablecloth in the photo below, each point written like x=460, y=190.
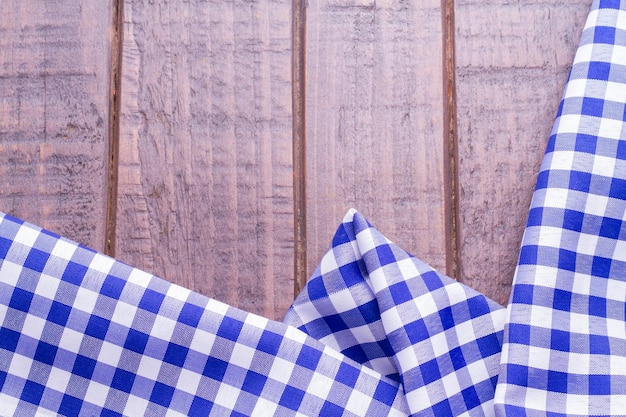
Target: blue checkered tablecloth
x=565, y=340
x=375, y=332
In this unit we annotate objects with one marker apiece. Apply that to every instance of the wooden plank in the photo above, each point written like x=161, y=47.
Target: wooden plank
x=205, y=179
x=375, y=122
x=54, y=110
x=512, y=63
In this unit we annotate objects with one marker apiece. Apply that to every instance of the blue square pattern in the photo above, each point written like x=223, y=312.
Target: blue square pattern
x=331, y=410
x=471, y=398
x=601, y=267
x=151, y=300
x=347, y=374
x=291, y=398
x=599, y=344
x=573, y=220
x=335, y=323
x=110, y=413
x=523, y=294
x=519, y=333
x=5, y=245
x=600, y=384
x=618, y=189
x=557, y=381
x=84, y=366
x=162, y=394
x=621, y=148
x=586, y=143
x=609, y=4
x=457, y=358
x=176, y=354
x=385, y=393
x=36, y=260
x=443, y=409
x=190, y=314
x=254, y=383
x=215, y=369
x=368, y=313
x=560, y=340
x=45, y=353
x=535, y=216
x=357, y=353
x=432, y=280
x=611, y=228
x=416, y=331
x=113, y=287
x=604, y=34
x=528, y=255
x=230, y=328
x=59, y=313
x=562, y=300
x=597, y=306
x=316, y=289
x=32, y=392
x=567, y=260
x=597, y=71
x=97, y=327
x=74, y=273
x=477, y=306
x=309, y=357
x=385, y=255
x=21, y=299
x=200, y=407
x=580, y=181
x=123, y=380
x=136, y=341
x=594, y=106
x=446, y=317
x=269, y=342
x=9, y=339
x=351, y=274
x=70, y=406
x=430, y=371
x=400, y=293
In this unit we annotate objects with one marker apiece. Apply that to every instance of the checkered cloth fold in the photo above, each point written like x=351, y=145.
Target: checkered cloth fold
x=384, y=308
x=565, y=339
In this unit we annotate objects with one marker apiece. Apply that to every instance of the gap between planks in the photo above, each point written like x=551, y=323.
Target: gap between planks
x=114, y=127
x=299, y=142
x=450, y=142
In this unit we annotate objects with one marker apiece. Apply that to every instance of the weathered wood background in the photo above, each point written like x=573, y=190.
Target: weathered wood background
x=218, y=144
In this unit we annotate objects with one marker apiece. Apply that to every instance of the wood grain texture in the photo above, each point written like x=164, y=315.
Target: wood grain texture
x=54, y=78
x=512, y=60
x=375, y=122
x=205, y=182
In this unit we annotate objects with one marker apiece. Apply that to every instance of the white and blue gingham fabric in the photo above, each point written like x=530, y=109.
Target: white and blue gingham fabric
x=565, y=339
x=382, y=307
x=375, y=332
x=84, y=334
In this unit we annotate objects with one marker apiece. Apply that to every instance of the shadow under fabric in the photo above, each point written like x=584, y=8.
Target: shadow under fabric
x=375, y=332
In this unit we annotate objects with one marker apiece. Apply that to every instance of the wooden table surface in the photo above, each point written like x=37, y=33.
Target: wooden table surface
x=218, y=144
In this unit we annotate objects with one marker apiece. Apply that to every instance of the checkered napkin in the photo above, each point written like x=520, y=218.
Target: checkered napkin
x=380, y=306
x=565, y=340
x=82, y=334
